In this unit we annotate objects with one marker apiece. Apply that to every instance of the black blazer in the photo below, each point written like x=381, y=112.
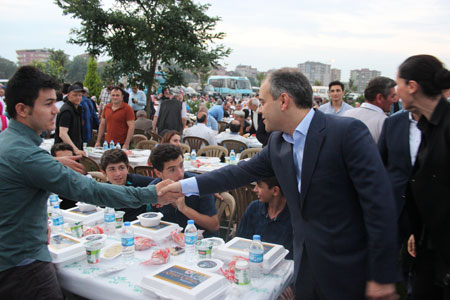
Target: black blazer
x=345, y=214
x=395, y=153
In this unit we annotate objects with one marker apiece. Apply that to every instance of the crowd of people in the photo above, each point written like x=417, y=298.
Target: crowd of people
x=344, y=189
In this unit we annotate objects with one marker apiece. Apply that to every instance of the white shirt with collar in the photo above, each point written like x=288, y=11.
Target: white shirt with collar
x=226, y=135
x=415, y=138
x=200, y=130
x=371, y=115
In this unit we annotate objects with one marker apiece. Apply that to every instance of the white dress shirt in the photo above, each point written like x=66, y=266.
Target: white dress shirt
x=200, y=130
x=415, y=138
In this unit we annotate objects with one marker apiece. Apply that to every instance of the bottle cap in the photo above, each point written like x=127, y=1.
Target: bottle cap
x=190, y=222
x=56, y=206
x=257, y=237
x=126, y=223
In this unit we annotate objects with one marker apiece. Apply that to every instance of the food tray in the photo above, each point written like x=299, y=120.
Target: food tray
x=184, y=283
x=156, y=233
x=273, y=253
x=74, y=214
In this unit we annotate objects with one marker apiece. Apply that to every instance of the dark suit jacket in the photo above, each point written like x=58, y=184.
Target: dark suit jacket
x=345, y=214
x=261, y=134
x=395, y=153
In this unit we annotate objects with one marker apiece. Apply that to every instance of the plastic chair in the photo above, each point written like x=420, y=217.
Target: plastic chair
x=148, y=144
x=185, y=148
x=243, y=197
x=98, y=176
x=222, y=126
x=89, y=164
x=137, y=138
x=226, y=210
x=195, y=142
x=237, y=146
x=250, y=152
x=145, y=171
x=155, y=137
x=213, y=151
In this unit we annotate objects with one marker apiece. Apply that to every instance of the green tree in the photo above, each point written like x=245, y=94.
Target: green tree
x=7, y=68
x=138, y=34
x=77, y=69
x=317, y=83
x=260, y=77
x=92, y=80
x=253, y=81
x=174, y=77
x=56, y=65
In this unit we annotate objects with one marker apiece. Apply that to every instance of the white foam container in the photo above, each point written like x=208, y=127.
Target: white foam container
x=156, y=233
x=212, y=265
x=213, y=287
x=90, y=218
x=71, y=250
x=239, y=247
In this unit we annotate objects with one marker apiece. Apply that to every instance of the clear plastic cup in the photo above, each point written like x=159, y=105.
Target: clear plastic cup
x=119, y=219
x=93, y=252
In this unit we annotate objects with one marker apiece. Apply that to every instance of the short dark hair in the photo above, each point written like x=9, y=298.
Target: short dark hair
x=61, y=147
x=118, y=89
x=428, y=72
x=271, y=182
x=164, y=153
x=378, y=85
x=336, y=82
x=293, y=83
x=202, y=117
x=234, y=127
x=24, y=87
x=113, y=156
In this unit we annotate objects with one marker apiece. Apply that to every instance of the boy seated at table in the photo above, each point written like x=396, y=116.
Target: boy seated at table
x=268, y=216
x=114, y=164
x=168, y=162
x=62, y=149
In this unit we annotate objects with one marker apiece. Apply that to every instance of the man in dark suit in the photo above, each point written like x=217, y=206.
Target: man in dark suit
x=338, y=194
x=398, y=144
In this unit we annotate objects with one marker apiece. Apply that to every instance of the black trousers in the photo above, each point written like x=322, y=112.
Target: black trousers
x=425, y=286
x=34, y=281
x=306, y=287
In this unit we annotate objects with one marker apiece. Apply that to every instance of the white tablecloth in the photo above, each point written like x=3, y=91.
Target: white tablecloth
x=83, y=279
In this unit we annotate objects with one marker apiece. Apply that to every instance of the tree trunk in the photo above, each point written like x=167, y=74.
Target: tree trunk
x=150, y=78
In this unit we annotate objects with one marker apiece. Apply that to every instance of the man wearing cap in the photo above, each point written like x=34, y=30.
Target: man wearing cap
x=142, y=123
x=68, y=121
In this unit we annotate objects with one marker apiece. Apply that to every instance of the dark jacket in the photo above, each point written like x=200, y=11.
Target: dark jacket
x=428, y=193
x=69, y=112
x=393, y=145
x=169, y=117
x=345, y=215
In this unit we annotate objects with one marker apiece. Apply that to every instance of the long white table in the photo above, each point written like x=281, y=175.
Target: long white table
x=84, y=280
x=137, y=157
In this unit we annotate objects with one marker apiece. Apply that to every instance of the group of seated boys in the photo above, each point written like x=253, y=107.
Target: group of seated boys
x=268, y=216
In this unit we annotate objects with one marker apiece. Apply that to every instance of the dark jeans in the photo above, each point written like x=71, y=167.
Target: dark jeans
x=34, y=281
x=425, y=286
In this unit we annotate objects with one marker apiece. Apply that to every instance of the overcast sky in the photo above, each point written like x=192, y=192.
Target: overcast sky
x=273, y=34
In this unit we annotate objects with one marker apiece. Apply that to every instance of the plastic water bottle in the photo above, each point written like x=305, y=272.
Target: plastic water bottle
x=111, y=145
x=118, y=146
x=127, y=239
x=52, y=201
x=193, y=155
x=57, y=220
x=110, y=221
x=190, y=239
x=105, y=145
x=256, y=256
x=232, y=157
